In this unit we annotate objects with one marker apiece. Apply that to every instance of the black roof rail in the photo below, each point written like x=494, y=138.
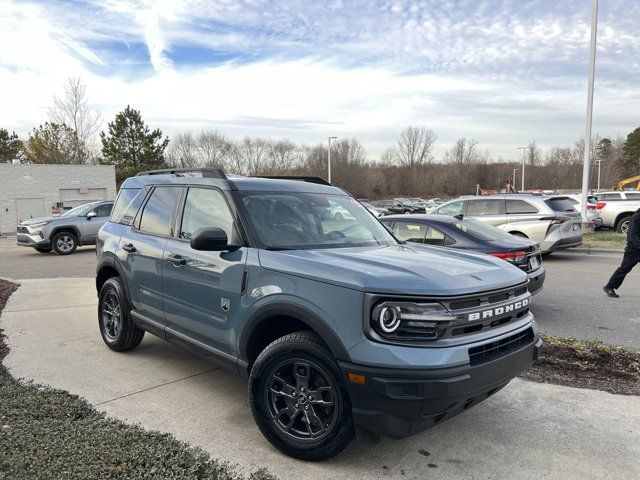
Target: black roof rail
x=206, y=172
x=318, y=180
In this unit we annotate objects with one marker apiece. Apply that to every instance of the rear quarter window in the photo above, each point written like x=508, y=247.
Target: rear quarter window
x=560, y=204
x=124, y=199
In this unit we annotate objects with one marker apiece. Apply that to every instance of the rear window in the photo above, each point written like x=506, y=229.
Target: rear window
x=560, y=204
x=123, y=201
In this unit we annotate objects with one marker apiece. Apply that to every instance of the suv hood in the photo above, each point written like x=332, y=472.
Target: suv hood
x=32, y=221
x=398, y=269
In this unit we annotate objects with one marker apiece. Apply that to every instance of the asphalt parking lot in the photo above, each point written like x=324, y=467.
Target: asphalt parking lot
x=571, y=304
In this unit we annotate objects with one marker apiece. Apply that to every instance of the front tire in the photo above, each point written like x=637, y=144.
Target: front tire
x=114, y=319
x=43, y=249
x=64, y=243
x=299, y=399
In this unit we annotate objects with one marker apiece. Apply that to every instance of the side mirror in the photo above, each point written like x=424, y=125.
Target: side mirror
x=91, y=214
x=211, y=240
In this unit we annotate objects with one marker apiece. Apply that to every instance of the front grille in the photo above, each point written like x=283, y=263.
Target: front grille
x=23, y=230
x=500, y=348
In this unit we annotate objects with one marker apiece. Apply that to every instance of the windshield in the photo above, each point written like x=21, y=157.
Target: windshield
x=482, y=231
x=76, y=210
x=302, y=221
x=404, y=201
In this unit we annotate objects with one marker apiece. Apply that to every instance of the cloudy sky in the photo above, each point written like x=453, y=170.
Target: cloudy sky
x=502, y=72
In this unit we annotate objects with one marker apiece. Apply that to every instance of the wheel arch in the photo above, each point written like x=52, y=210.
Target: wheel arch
x=108, y=268
x=620, y=217
x=275, y=320
x=67, y=228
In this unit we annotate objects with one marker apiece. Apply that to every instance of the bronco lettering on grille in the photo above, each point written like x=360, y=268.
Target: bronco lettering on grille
x=498, y=311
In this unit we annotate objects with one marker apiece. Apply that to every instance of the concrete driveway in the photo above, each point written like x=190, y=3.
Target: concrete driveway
x=527, y=430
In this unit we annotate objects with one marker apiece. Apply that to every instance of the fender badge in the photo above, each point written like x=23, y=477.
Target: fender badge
x=225, y=304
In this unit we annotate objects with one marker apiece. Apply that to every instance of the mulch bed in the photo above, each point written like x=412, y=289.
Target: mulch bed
x=50, y=434
x=587, y=364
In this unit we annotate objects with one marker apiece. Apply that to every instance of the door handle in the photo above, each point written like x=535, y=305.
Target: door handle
x=129, y=248
x=177, y=260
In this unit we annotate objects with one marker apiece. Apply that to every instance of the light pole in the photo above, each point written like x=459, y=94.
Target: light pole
x=587, y=135
x=329, y=158
x=599, y=162
x=524, y=149
x=513, y=180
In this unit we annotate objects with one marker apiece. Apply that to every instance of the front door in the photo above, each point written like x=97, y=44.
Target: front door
x=202, y=289
x=91, y=224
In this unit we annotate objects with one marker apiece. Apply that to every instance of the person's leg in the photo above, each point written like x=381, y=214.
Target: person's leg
x=629, y=260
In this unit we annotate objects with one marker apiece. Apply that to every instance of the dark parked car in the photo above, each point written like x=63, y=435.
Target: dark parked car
x=471, y=235
x=401, y=205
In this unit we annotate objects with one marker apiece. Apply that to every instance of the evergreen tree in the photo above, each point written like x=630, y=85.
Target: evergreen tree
x=131, y=146
x=10, y=146
x=630, y=159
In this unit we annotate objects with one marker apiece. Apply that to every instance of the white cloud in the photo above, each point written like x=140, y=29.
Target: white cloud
x=500, y=73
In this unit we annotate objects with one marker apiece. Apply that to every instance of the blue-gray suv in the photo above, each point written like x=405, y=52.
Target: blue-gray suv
x=341, y=329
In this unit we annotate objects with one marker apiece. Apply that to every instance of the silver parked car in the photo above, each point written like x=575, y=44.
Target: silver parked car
x=64, y=233
x=550, y=220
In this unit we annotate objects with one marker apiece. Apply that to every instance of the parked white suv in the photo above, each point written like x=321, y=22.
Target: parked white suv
x=550, y=220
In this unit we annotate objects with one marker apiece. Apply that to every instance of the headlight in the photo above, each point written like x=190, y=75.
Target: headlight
x=407, y=321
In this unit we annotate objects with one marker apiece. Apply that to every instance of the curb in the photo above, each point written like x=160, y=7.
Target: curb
x=590, y=250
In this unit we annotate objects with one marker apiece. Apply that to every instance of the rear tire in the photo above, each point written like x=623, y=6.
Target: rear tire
x=64, y=243
x=114, y=317
x=623, y=224
x=299, y=399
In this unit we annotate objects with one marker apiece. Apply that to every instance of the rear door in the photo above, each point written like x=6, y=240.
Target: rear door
x=489, y=210
x=202, y=290
x=141, y=250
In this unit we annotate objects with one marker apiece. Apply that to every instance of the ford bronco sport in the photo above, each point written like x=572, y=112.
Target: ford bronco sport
x=341, y=329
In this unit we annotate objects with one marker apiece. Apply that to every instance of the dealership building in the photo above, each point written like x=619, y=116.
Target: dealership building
x=32, y=191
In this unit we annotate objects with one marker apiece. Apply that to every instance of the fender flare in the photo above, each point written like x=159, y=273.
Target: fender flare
x=109, y=261
x=70, y=228
x=302, y=314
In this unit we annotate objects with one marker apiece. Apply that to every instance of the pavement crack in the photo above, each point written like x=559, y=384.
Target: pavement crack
x=9, y=310
x=156, y=386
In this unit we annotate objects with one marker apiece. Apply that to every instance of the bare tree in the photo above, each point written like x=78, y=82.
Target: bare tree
x=72, y=109
x=414, y=147
x=249, y=156
x=463, y=152
x=214, y=148
x=283, y=155
x=183, y=151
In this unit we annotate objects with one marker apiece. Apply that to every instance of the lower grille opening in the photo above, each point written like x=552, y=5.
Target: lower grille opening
x=494, y=350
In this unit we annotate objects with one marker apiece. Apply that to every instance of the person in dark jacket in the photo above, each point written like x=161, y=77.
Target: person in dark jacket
x=630, y=259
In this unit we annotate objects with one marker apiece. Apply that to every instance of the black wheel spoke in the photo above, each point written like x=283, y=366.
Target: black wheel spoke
x=301, y=373
x=311, y=419
x=285, y=389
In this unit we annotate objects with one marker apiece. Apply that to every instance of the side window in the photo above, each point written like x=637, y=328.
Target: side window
x=520, y=206
x=478, y=208
x=454, y=208
x=125, y=197
x=206, y=207
x=410, y=232
x=103, y=210
x=632, y=195
x=610, y=196
x=158, y=212
x=435, y=236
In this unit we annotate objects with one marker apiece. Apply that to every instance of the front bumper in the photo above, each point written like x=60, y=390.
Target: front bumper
x=27, y=237
x=400, y=402
x=536, y=280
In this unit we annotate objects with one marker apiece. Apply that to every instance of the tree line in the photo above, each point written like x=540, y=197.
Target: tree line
x=73, y=135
